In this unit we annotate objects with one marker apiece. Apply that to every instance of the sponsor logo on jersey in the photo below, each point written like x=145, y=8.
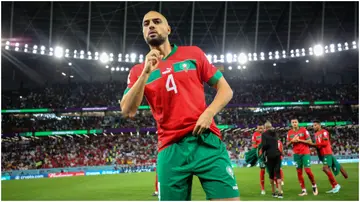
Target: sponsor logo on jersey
x=230, y=171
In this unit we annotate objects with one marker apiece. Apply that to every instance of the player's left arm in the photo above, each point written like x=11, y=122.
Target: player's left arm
x=210, y=74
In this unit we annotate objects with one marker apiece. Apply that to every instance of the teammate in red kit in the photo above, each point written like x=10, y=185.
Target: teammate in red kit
x=189, y=142
x=300, y=139
x=281, y=149
x=322, y=138
x=256, y=140
x=156, y=193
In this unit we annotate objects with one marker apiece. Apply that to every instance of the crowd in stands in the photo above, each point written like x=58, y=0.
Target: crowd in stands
x=144, y=119
x=135, y=149
x=108, y=94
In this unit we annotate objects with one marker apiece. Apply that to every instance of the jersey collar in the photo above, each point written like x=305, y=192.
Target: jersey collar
x=174, y=49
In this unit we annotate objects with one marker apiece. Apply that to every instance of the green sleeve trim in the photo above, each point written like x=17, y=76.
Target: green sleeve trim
x=126, y=91
x=214, y=79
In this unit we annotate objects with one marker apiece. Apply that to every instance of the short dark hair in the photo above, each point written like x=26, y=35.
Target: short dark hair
x=294, y=119
x=317, y=121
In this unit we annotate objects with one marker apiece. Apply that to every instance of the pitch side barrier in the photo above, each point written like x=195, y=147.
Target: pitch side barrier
x=147, y=107
x=113, y=169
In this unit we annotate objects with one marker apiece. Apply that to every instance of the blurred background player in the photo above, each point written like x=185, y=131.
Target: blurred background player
x=300, y=139
x=322, y=138
x=272, y=154
x=256, y=140
x=281, y=149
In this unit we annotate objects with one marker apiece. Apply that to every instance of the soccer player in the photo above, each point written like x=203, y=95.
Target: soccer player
x=322, y=138
x=189, y=143
x=256, y=140
x=156, y=193
x=300, y=139
x=280, y=146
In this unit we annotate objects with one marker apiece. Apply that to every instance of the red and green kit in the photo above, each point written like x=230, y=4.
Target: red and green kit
x=175, y=93
x=301, y=150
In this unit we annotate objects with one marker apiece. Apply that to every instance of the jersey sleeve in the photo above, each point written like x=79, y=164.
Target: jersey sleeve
x=132, y=78
x=325, y=135
x=288, y=137
x=208, y=72
x=307, y=134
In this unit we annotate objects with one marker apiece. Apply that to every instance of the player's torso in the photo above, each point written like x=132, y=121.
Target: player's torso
x=257, y=138
x=319, y=139
x=299, y=148
x=175, y=88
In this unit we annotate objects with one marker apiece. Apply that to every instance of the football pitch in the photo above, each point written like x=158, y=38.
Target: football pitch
x=140, y=186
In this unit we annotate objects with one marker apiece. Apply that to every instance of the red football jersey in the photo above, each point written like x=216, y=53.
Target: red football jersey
x=323, y=138
x=175, y=92
x=298, y=147
x=256, y=139
x=280, y=147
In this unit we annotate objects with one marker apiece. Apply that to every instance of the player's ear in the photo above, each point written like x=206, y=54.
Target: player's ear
x=169, y=30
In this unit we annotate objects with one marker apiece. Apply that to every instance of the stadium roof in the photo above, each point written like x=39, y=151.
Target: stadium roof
x=69, y=29
x=31, y=20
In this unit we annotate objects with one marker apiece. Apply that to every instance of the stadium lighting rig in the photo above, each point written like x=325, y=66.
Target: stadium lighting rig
x=240, y=60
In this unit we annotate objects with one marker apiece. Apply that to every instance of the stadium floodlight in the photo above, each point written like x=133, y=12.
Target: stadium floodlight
x=318, y=50
x=63, y=74
x=35, y=47
x=69, y=63
x=34, y=51
x=122, y=69
x=346, y=46
x=277, y=57
x=127, y=69
x=81, y=56
x=112, y=69
x=107, y=66
x=354, y=45
x=42, y=52
x=117, y=69
x=17, y=49
x=67, y=51
x=89, y=53
x=262, y=54
x=274, y=64
x=96, y=58
x=89, y=57
x=25, y=50
x=239, y=67
x=111, y=59
x=244, y=67
x=96, y=53
x=17, y=44
x=230, y=67
x=229, y=58
x=71, y=76
x=141, y=60
x=66, y=54
x=104, y=58
x=26, y=45
x=111, y=55
x=133, y=57
x=307, y=61
x=339, y=47
x=235, y=58
x=332, y=48
x=82, y=52
x=59, y=51
x=242, y=59
x=7, y=43
x=51, y=53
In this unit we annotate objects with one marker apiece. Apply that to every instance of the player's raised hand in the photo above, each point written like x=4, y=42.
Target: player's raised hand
x=203, y=123
x=152, y=60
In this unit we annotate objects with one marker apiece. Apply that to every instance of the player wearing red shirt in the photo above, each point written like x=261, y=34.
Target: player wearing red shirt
x=323, y=144
x=256, y=140
x=300, y=139
x=189, y=143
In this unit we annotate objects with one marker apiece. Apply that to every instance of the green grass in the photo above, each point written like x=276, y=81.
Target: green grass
x=140, y=186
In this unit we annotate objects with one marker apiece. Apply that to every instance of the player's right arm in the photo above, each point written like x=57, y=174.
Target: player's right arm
x=134, y=94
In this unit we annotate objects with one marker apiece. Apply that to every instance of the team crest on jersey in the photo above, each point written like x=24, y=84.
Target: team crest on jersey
x=185, y=67
x=230, y=171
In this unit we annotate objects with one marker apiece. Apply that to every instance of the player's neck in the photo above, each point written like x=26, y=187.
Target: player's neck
x=296, y=129
x=165, y=48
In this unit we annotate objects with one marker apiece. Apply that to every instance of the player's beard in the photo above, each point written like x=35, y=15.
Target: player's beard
x=157, y=41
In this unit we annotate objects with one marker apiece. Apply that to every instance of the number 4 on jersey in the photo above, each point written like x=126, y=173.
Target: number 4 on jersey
x=170, y=84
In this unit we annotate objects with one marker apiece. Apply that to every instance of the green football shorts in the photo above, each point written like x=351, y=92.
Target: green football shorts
x=262, y=164
x=204, y=156
x=302, y=160
x=329, y=160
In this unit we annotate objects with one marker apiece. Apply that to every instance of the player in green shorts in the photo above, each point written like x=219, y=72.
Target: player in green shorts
x=300, y=139
x=189, y=142
x=256, y=140
x=323, y=145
